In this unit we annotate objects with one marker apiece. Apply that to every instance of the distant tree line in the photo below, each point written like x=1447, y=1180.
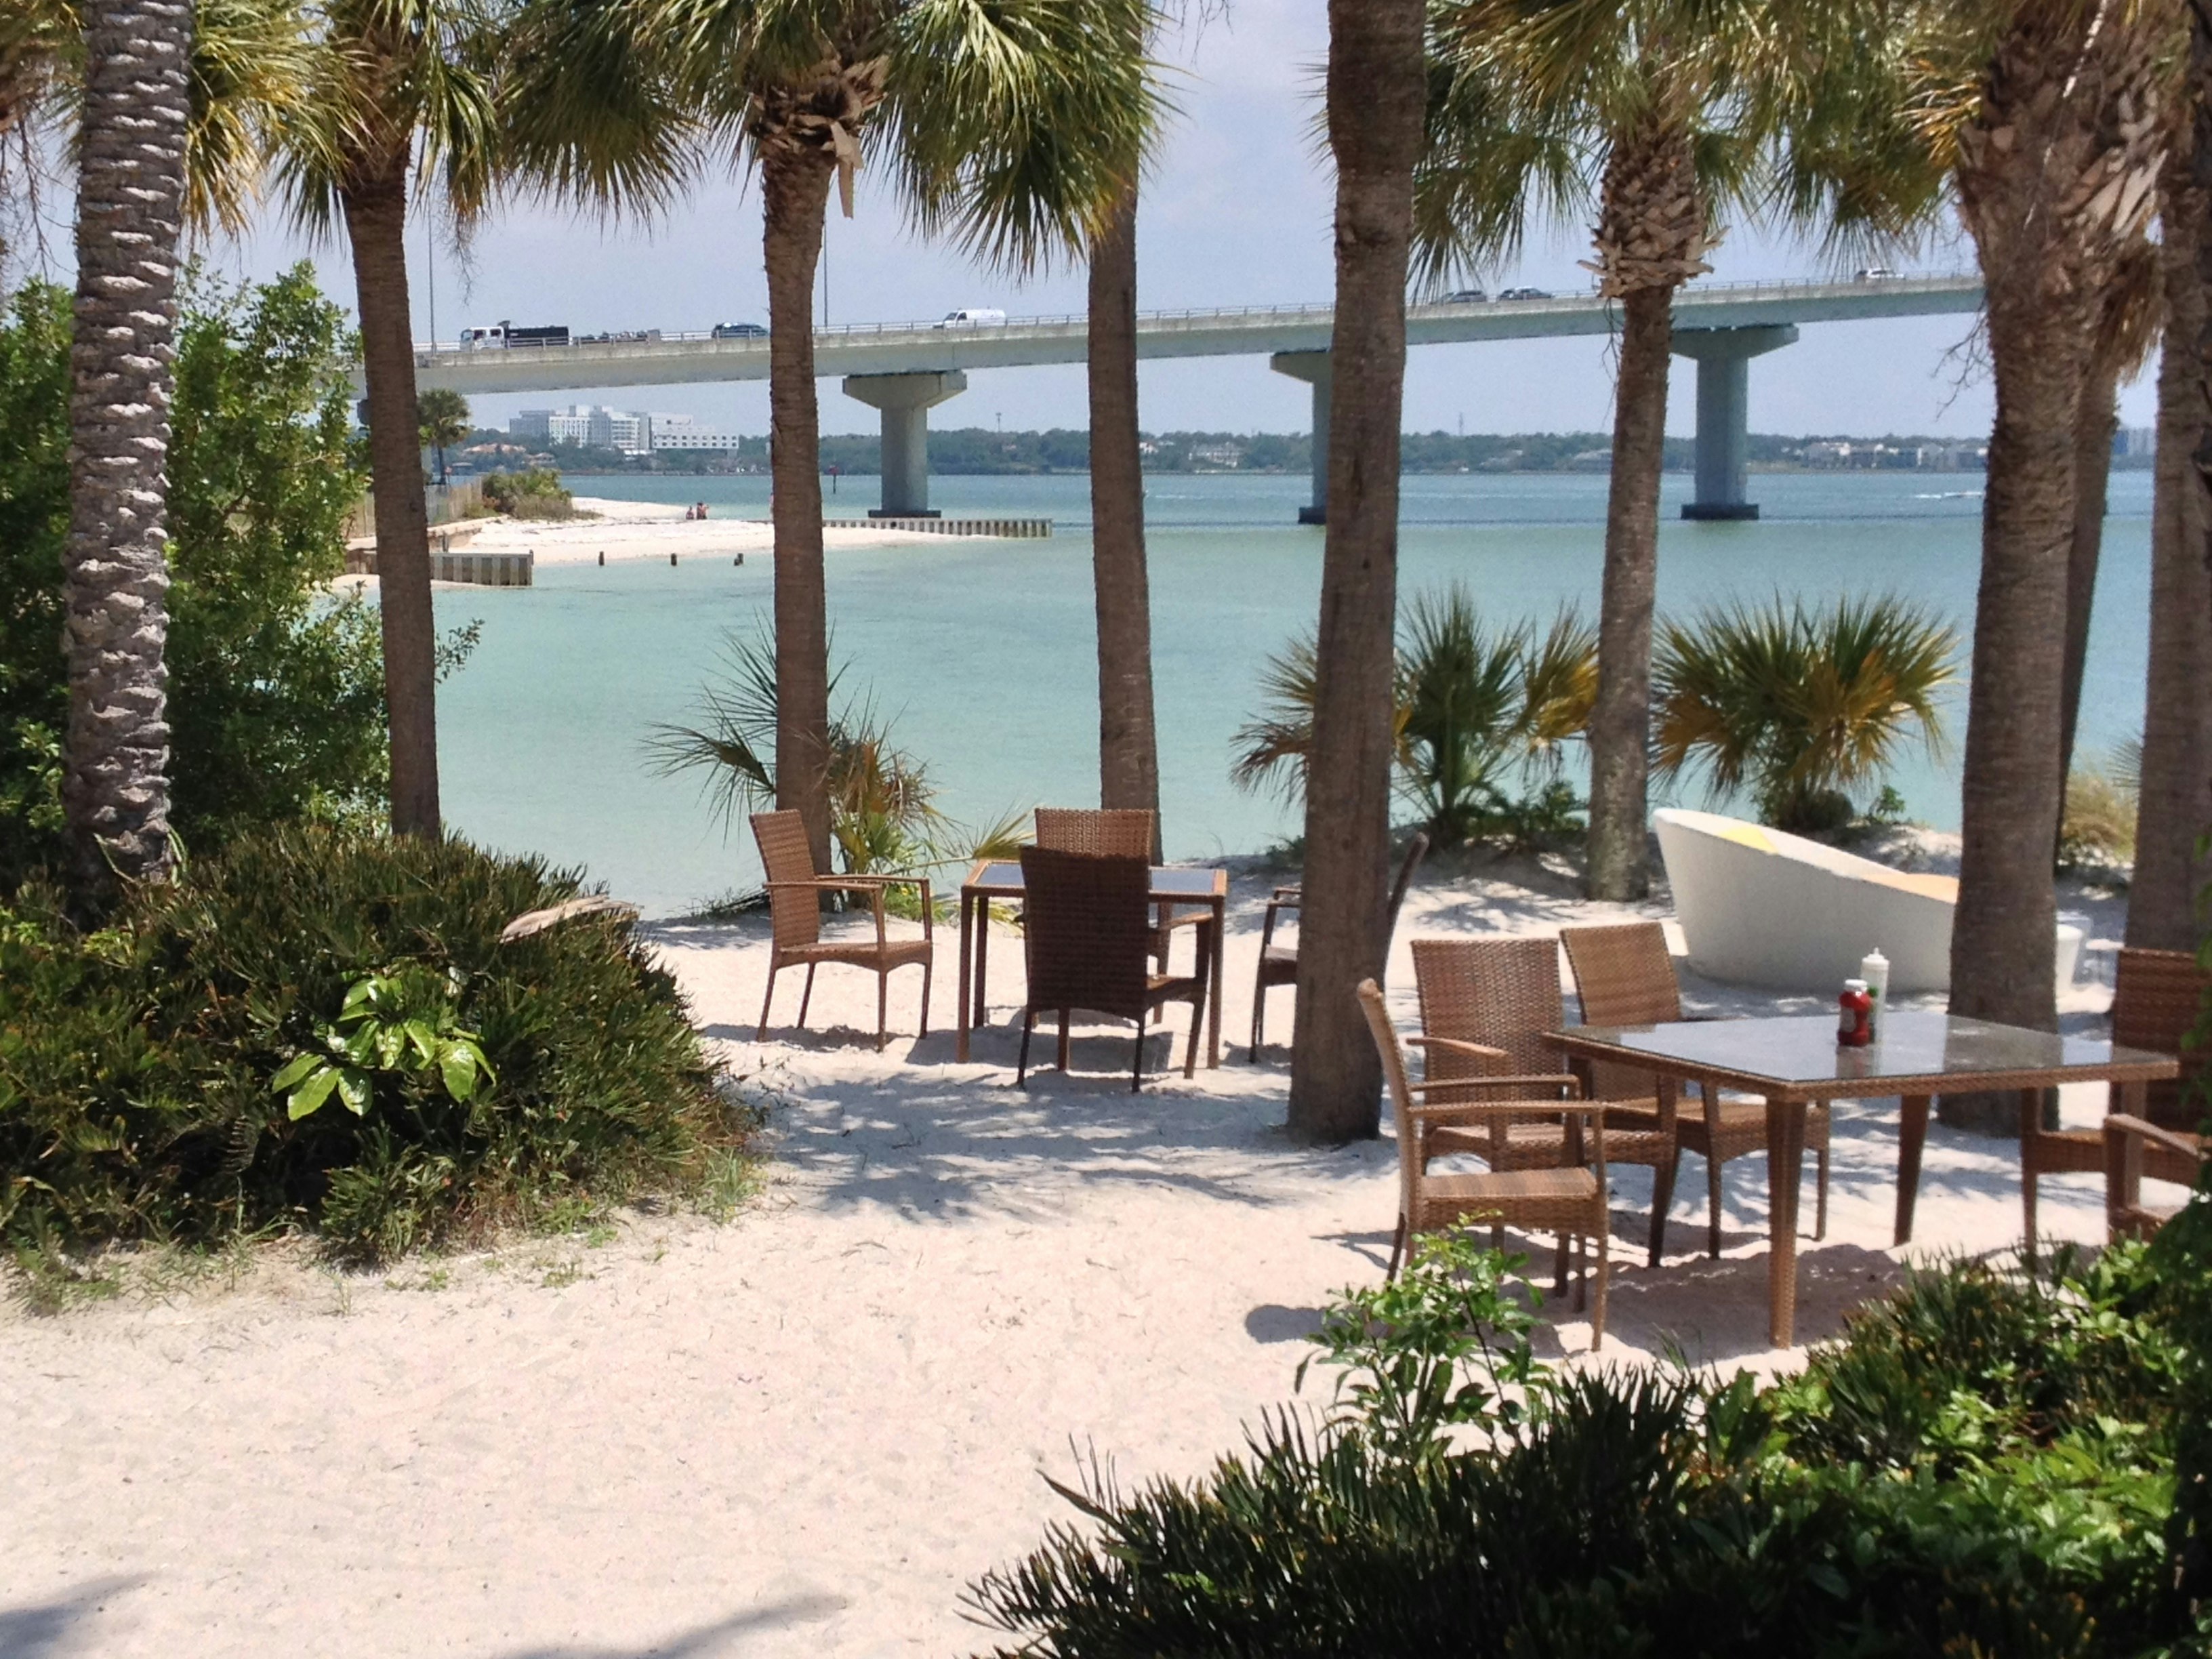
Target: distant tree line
x=972, y=451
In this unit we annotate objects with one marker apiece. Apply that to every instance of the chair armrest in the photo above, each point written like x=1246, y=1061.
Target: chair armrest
x=1458, y=1045
x=1290, y=896
x=2120, y=1126
x=1522, y=1080
x=1444, y=1112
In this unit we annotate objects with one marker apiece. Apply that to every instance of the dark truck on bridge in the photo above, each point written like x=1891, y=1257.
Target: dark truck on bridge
x=506, y=337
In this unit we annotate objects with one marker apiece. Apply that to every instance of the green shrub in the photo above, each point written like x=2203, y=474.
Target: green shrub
x=276, y=697
x=533, y=493
x=137, y=1063
x=1981, y=1465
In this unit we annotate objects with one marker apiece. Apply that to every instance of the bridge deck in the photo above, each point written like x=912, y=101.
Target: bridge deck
x=913, y=347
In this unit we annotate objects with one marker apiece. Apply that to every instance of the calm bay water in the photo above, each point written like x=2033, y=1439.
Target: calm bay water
x=983, y=651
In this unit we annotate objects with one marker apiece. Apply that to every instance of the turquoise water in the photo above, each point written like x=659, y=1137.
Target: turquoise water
x=983, y=651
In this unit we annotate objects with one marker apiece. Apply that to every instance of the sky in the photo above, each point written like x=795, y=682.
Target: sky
x=1237, y=212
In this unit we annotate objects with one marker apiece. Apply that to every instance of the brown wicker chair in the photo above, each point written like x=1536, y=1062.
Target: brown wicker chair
x=1088, y=933
x=1624, y=975
x=794, y=901
x=1568, y=1200
x=1486, y=1005
x=2155, y=997
x=1278, y=963
x=1130, y=832
x=2133, y=1149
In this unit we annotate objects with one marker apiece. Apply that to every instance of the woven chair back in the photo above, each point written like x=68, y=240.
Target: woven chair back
x=1624, y=975
x=1503, y=993
x=1089, y=931
x=2156, y=995
x=1116, y=832
x=795, y=912
x=1402, y=1095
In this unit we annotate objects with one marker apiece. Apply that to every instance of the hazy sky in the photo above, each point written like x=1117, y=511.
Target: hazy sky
x=1237, y=214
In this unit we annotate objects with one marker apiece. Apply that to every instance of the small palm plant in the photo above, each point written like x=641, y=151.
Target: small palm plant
x=1478, y=711
x=1807, y=711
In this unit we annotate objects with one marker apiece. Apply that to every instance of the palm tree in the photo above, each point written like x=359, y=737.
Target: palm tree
x=1375, y=83
x=1013, y=123
x=132, y=137
x=1650, y=112
x=401, y=88
x=36, y=38
x=2174, y=799
x=442, y=414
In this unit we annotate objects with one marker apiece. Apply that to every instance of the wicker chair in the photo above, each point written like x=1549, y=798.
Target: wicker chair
x=794, y=901
x=1278, y=963
x=1088, y=933
x=1130, y=832
x=2155, y=997
x=2133, y=1149
x=1486, y=1005
x=1624, y=975
x=1569, y=1200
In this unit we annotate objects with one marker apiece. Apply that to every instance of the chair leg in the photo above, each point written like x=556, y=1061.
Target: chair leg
x=1197, y=1024
x=1397, y=1248
x=1137, y=1064
x=925, y=966
x=1063, y=1039
x=1259, y=1018
x=806, y=996
x=883, y=1007
x=1713, y=1167
x=1821, y=1190
x=1022, y=1065
x=1560, y=1266
x=2030, y=1126
x=774, y=968
x=1604, y=1271
x=1662, y=1197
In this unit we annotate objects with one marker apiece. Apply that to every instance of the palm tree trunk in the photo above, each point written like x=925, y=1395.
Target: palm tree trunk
x=130, y=197
x=375, y=203
x=794, y=194
x=2093, y=430
x=1128, y=752
x=1375, y=114
x=1620, y=731
x=2175, y=806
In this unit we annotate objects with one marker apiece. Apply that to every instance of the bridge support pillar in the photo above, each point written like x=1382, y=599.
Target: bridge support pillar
x=1723, y=358
x=905, y=401
x=1312, y=367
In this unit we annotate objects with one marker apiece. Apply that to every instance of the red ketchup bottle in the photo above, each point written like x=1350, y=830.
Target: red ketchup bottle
x=1855, y=1024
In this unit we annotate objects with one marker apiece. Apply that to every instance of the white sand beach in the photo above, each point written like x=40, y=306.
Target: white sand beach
x=802, y=1432
x=653, y=529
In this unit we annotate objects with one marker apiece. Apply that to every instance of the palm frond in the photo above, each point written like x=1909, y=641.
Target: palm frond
x=1271, y=750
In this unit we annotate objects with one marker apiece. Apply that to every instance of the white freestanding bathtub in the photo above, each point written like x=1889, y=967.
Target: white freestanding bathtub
x=1761, y=907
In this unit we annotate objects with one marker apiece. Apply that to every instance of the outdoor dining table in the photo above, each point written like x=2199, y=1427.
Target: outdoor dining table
x=1000, y=879
x=1792, y=1060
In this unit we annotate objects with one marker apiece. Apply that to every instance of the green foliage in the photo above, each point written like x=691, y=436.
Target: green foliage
x=1477, y=712
x=275, y=692
x=443, y=415
x=533, y=493
x=2102, y=799
x=1979, y=1467
x=1802, y=709
x=399, y=1023
x=514, y=1082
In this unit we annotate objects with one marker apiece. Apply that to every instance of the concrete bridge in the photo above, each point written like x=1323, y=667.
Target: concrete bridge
x=904, y=369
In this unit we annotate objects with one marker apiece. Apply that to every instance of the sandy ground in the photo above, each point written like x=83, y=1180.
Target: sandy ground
x=653, y=529
x=802, y=1432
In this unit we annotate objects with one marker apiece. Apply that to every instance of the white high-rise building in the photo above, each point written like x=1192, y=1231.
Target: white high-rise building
x=684, y=432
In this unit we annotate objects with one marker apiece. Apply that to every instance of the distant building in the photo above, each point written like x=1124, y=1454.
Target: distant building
x=684, y=432
x=2134, y=442
x=601, y=428
x=531, y=424
x=1221, y=455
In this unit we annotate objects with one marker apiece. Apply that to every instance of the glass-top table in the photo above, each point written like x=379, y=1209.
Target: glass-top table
x=1793, y=1060
x=992, y=879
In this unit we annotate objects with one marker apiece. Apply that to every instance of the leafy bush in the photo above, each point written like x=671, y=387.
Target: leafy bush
x=1477, y=712
x=533, y=493
x=2102, y=799
x=1980, y=1467
x=138, y=1062
x=275, y=692
x=1804, y=709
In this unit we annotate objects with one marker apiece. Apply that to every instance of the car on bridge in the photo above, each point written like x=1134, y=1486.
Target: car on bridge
x=1523, y=293
x=740, y=331
x=1468, y=296
x=975, y=317
x=1876, y=274
x=506, y=337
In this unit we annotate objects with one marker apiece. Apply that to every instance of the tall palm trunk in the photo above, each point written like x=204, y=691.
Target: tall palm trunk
x=794, y=195
x=1650, y=238
x=1128, y=751
x=2175, y=806
x=1621, y=722
x=2095, y=423
x=374, y=200
x=1375, y=116
x=2051, y=186
x=130, y=198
